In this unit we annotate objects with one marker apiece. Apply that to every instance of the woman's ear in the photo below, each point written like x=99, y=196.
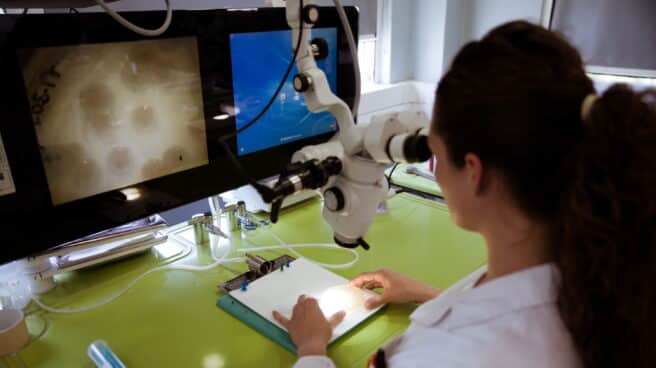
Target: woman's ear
x=474, y=173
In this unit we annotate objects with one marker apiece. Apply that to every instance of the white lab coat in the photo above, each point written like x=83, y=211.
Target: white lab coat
x=511, y=321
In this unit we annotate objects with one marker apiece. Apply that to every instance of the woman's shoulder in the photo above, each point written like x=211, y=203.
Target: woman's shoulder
x=531, y=337
x=543, y=348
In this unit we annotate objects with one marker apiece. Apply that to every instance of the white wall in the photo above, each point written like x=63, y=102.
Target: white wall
x=456, y=32
x=428, y=39
x=424, y=37
x=441, y=27
x=401, y=44
x=417, y=39
x=487, y=14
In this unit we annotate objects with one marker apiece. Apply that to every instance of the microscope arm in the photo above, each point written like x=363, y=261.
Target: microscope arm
x=349, y=170
x=312, y=81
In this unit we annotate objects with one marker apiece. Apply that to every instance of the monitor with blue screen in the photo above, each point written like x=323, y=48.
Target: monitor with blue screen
x=288, y=119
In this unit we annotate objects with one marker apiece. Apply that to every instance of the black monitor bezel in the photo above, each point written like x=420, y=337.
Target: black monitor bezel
x=28, y=226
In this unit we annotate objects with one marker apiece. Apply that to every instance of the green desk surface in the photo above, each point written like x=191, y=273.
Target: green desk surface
x=170, y=319
x=403, y=179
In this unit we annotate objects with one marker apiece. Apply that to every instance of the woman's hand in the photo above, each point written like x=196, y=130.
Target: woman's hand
x=396, y=288
x=308, y=328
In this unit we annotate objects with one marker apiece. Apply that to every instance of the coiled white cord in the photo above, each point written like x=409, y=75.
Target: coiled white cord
x=217, y=262
x=142, y=31
x=292, y=249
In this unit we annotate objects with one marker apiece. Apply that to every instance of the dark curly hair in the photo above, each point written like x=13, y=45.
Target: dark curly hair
x=514, y=98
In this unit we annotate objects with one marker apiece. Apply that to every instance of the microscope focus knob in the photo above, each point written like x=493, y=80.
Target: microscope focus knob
x=320, y=48
x=333, y=199
x=302, y=82
x=310, y=14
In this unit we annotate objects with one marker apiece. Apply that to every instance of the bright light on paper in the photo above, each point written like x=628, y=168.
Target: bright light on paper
x=341, y=298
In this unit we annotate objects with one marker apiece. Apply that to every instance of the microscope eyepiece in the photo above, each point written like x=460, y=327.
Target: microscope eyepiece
x=408, y=148
x=415, y=148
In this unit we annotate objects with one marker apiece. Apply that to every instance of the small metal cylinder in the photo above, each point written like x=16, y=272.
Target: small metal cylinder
x=245, y=224
x=232, y=222
x=201, y=236
x=258, y=264
x=241, y=208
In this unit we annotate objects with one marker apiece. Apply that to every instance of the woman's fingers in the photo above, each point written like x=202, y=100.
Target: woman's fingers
x=374, y=302
x=369, y=280
x=284, y=321
x=336, y=318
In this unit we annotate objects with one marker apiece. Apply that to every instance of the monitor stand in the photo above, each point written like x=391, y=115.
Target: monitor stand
x=109, y=245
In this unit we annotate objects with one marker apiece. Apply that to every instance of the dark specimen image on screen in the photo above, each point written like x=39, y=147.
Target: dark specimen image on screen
x=111, y=115
x=288, y=119
x=6, y=182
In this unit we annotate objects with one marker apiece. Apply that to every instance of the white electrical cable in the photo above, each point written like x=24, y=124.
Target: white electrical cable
x=142, y=31
x=290, y=247
x=354, y=54
x=217, y=262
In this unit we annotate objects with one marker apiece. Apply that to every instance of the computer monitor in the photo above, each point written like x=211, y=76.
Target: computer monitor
x=101, y=126
x=288, y=119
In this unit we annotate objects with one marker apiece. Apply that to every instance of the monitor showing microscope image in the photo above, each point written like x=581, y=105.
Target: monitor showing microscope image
x=288, y=119
x=111, y=115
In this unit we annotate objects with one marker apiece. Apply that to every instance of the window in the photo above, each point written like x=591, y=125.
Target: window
x=367, y=58
x=603, y=81
x=614, y=37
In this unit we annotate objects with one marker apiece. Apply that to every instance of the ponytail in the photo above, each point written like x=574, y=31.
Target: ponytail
x=607, y=253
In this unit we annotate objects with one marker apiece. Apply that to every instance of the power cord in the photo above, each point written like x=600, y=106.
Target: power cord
x=389, y=176
x=350, y=39
x=217, y=262
x=292, y=249
x=142, y=31
x=188, y=249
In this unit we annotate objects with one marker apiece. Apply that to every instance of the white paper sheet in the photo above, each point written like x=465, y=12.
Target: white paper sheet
x=279, y=291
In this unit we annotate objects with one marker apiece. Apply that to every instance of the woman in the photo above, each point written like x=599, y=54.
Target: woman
x=559, y=183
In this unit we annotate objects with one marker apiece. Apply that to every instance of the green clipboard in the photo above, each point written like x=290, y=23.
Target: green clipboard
x=255, y=321
x=261, y=324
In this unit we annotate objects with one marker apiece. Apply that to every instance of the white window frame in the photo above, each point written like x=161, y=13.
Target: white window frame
x=382, y=64
x=367, y=61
